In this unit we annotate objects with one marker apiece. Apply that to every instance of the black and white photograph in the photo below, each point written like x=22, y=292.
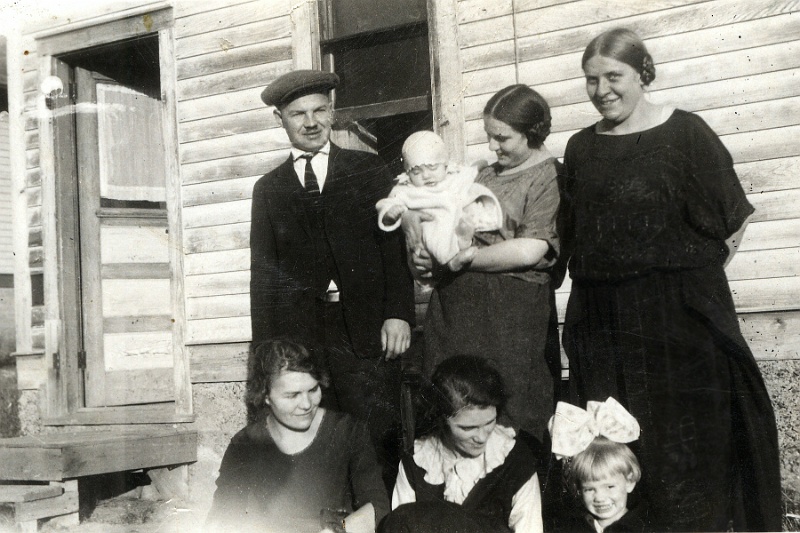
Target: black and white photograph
x=399, y=266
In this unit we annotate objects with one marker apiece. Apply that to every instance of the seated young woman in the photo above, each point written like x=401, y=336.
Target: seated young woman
x=468, y=474
x=297, y=462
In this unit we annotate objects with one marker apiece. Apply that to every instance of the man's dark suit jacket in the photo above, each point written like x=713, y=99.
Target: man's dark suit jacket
x=375, y=283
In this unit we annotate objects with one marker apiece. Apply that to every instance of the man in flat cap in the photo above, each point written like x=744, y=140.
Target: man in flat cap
x=322, y=271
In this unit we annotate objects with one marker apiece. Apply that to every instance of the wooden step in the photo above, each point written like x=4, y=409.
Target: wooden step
x=73, y=454
x=28, y=493
x=30, y=503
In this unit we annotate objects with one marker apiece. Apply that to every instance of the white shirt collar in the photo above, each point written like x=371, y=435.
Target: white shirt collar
x=319, y=163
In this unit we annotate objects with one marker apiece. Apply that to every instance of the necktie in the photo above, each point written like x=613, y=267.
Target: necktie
x=309, y=178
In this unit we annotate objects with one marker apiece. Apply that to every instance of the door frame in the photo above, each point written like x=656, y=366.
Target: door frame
x=64, y=390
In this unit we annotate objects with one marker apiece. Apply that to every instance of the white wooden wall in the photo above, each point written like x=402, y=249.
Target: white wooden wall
x=736, y=64
x=227, y=52
x=6, y=246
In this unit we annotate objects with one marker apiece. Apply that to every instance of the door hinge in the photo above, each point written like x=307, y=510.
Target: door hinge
x=56, y=361
x=82, y=359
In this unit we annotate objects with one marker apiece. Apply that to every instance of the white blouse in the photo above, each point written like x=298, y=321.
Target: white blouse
x=460, y=474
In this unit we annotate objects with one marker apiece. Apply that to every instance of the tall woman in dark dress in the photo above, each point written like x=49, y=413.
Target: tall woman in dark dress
x=297, y=462
x=494, y=299
x=653, y=209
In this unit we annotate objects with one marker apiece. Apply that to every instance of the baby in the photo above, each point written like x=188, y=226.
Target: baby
x=447, y=192
x=602, y=470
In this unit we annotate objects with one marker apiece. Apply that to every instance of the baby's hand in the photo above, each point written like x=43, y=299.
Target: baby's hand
x=393, y=214
x=462, y=259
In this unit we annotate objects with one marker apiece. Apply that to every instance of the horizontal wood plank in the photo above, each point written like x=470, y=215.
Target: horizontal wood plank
x=231, y=124
x=134, y=244
x=235, y=145
x=223, y=306
x=229, y=190
x=28, y=493
x=217, y=214
x=772, y=336
x=141, y=350
x=217, y=238
x=136, y=271
x=218, y=284
x=232, y=80
x=769, y=174
x=771, y=234
x=229, y=15
x=486, y=31
x=776, y=205
x=764, y=264
x=136, y=297
x=240, y=57
x=217, y=262
x=212, y=363
x=233, y=167
x=65, y=503
x=253, y=32
x=134, y=324
x=475, y=10
x=218, y=330
x=186, y=9
x=647, y=25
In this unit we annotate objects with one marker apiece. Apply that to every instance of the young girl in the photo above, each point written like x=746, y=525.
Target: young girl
x=467, y=474
x=600, y=469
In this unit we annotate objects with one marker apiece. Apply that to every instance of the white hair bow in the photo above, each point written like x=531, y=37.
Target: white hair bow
x=572, y=429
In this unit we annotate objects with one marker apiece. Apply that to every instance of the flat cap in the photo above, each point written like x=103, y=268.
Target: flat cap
x=298, y=83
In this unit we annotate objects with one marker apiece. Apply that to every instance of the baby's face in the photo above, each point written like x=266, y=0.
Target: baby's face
x=427, y=174
x=607, y=498
x=426, y=165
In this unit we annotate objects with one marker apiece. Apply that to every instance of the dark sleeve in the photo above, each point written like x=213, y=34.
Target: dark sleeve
x=564, y=221
x=365, y=473
x=398, y=283
x=230, y=496
x=263, y=265
x=715, y=201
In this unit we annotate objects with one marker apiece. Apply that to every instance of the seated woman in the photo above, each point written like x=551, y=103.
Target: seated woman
x=298, y=464
x=469, y=474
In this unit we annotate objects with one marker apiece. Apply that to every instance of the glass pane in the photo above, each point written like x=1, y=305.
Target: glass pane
x=382, y=67
x=350, y=17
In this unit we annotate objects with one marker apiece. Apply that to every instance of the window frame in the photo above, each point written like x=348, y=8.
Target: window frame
x=64, y=388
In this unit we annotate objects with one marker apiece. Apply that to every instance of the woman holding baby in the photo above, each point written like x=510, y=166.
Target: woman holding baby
x=493, y=300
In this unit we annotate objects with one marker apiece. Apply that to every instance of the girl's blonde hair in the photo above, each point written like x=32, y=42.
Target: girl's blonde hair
x=600, y=459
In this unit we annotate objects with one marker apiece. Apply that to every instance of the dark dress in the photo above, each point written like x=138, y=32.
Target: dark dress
x=261, y=488
x=651, y=321
x=505, y=317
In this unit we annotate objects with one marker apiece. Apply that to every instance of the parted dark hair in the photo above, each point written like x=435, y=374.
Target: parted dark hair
x=601, y=458
x=523, y=109
x=458, y=382
x=623, y=45
x=272, y=357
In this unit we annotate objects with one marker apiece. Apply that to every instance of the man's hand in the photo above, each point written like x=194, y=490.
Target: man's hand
x=395, y=337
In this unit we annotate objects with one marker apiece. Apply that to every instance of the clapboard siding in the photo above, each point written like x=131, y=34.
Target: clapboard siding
x=6, y=248
x=735, y=65
x=220, y=15
x=234, y=145
x=217, y=214
x=217, y=238
x=231, y=80
x=217, y=262
x=217, y=284
x=244, y=56
x=549, y=42
x=224, y=125
x=219, y=191
x=232, y=167
x=256, y=31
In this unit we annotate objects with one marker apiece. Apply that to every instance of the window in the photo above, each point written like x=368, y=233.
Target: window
x=379, y=49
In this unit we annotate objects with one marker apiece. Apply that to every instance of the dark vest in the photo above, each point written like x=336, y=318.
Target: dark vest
x=492, y=496
x=325, y=269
